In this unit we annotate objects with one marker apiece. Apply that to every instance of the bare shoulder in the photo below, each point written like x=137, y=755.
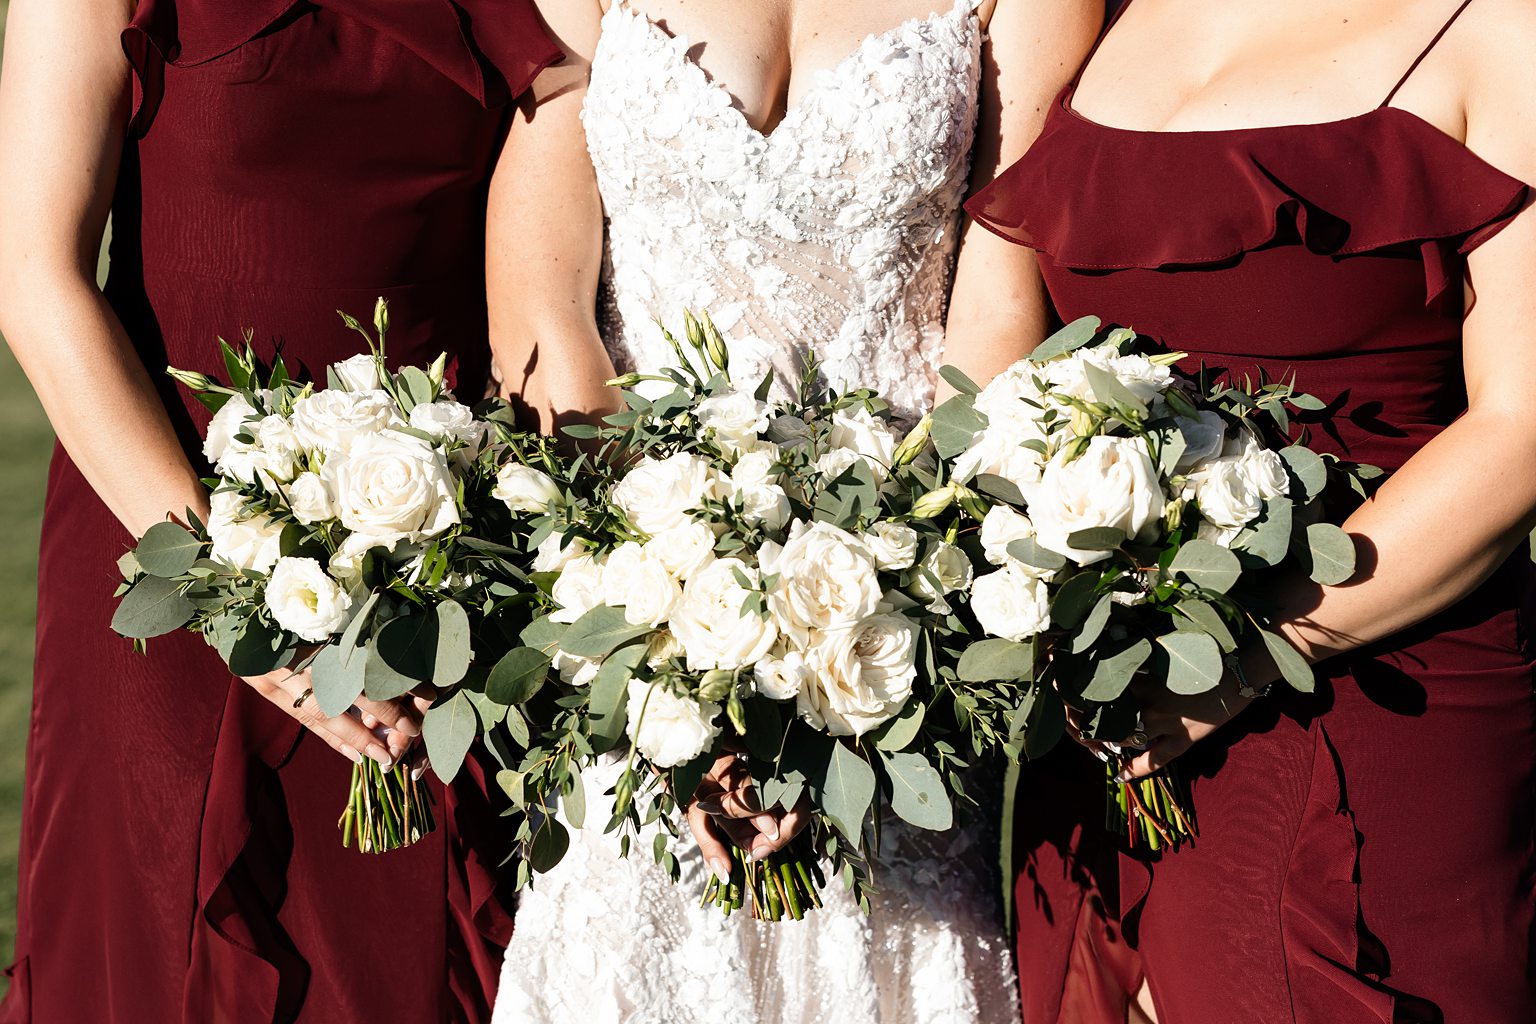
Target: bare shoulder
x=1493, y=43
x=1043, y=22
x=575, y=24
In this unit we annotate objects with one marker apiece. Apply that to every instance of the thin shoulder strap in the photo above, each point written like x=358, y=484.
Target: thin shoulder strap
x=1108, y=27
x=1425, y=53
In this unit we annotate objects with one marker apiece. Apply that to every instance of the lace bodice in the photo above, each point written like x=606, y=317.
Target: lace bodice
x=834, y=233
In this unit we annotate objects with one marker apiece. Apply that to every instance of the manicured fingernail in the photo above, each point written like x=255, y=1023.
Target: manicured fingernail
x=381, y=755
x=370, y=721
x=711, y=806
x=353, y=754
x=418, y=772
x=721, y=867
x=1125, y=775
x=408, y=727
x=767, y=825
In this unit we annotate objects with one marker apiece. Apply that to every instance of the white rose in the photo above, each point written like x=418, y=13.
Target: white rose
x=525, y=489
x=310, y=500
x=1002, y=526
x=391, y=487
x=669, y=730
x=1228, y=497
x=861, y=431
x=860, y=676
x=736, y=417
x=554, y=554
x=226, y=423
x=304, y=600
x=449, y=421
x=685, y=549
x=1264, y=468
x=1203, y=439
x=948, y=567
x=894, y=545
x=639, y=584
x=252, y=542
x=1013, y=403
x=661, y=648
x=270, y=459
x=711, y=623
x=781, y=677
x=347, y=562
x=360, y=373
x=659, y=494
x=755, y=468
x=332, y=421
x=1113, y=484
x=1011, y=604
x=578, y=589
x=575, y=671
x=999, y=451
x=835, y=463
x=1142, y=377
x=827, y=580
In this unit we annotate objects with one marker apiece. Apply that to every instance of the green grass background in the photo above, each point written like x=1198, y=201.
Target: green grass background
x=27, y=442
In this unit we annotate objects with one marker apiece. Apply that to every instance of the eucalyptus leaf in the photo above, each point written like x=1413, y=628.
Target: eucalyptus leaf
x=993, y=660
x=955, y=425
x=899, y=732
x=918, y=795
x=1332, y=554
x=1109, y=390
x=606, y=701
x=1271, y=539
x=380, y=680
x=1116, y=665
x=260, y=648
x=453, y=654
x=958, y=380
x=338, y=680
x=1203, y=617
x=1074, y=600
x=1093, y=626
x=1193, y=662
x=1001, y=488
x=1029, y=551
x=1293, y=667
x=1046, y=726
x=1071, y=337
x=1206, y=565
x=1308, y=467
x=519, y=675
x=847, y=791
x=408, y=644
x=449, y=729
x=574, y=803
x=1096, y=538
x=686, y=777
x=544, y=634
x=154, y=607
x=550, y=843
x=167, y=550
x=599, y=632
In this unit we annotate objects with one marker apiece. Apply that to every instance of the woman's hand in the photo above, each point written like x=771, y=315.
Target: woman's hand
x=353, y=737
x=725, y=809
x=1174, y=723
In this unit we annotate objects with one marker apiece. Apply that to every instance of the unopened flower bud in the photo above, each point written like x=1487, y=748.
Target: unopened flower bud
x=192, y=379
x=716, y=684
x=715, y=347
x=913, y=444
x=934, y=502
x=381, y=316
x=628, y=380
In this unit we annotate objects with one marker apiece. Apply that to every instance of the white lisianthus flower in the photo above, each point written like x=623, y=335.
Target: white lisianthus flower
x=252, y=542
x=639, y=584
x=575, y=671
x=661, y=648
x=782, y=675
x=711, y=623
x=835, y=463
x=331, y=422
x=827, y=580
x=525, y=489
x=391, y=487
x=669, y=730
x=1002, y=526
x=858, y=430
x=659, y=494
x=310, y=500
x=754, y=487
x=449, y=421
x=359, y=373
x=229, y=421
x=578, y=589
x=554, y=553
x=735, y=416
x=684, y=549
x=999, y=451
x=1113, y=484
x=1142, y=377
x=1012, y=403
x=755, y=469
x=305, y=601
x=860, y=676
x=948, y=567
x=1011, y=604
x=1204, y=438
x=894, y=545
x=347, y=563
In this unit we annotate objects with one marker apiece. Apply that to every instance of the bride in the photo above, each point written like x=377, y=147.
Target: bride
x=796, y=168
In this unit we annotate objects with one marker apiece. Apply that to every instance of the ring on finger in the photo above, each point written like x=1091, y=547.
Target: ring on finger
x=298, y=701
x=1138, y=739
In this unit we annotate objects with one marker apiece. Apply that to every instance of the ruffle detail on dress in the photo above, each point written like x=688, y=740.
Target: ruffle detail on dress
x=493, y=49
x=1384, y=179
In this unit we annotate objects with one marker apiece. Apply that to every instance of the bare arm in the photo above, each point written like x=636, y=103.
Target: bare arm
x=63, y=108
x=998, y=308
x=545, y=241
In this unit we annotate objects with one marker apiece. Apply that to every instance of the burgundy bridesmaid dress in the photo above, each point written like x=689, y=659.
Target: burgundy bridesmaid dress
x=180, y=859
x=1366, y=854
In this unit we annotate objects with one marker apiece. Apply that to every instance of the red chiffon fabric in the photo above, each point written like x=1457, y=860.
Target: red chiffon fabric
x=1366, y=854
x=180, y=858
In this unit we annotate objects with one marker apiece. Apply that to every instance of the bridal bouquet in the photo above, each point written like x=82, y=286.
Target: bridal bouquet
x=752, y=577
x=1131, y=518
x=342, y=538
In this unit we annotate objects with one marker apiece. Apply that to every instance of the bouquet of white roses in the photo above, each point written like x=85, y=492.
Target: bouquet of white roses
x=342, y=538
x=751, y=576
x=1131, y=516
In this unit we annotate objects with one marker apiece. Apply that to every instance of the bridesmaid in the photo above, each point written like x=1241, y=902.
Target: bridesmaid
x=265, y=162
x=1274, y=202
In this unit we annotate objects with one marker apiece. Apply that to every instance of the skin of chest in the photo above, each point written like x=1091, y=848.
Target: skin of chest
x=766, y=53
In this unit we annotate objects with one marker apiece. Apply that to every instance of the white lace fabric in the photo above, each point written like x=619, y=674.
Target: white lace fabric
x=835, y=235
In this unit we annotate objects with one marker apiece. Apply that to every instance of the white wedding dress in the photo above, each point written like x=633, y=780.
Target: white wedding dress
x=834, y=234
